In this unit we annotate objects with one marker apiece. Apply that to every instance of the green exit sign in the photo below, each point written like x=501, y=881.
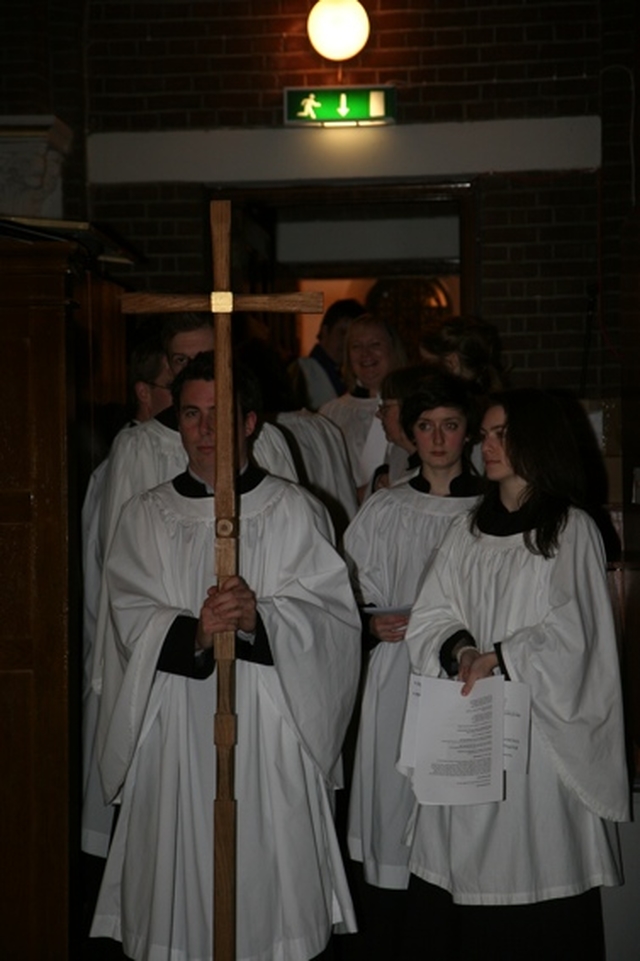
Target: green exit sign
x=339, y=106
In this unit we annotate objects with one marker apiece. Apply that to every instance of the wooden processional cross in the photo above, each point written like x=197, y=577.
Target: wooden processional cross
x=221, y=302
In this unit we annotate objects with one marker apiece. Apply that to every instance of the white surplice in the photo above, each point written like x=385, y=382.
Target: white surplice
x=156, y=728
x=97, y=817
x=363, y=433
x=552, y=836
x=141, y=456
x=388, y=546
x=322, y=449
x=146, y=455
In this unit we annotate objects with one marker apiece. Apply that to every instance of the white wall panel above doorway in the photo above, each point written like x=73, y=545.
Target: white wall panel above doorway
x=412, y=238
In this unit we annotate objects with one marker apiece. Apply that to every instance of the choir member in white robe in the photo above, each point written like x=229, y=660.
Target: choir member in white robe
x=154, y=363
x=355, y=414
x=144, y=456
x=322, y=463
x=96, y=817
x=141, y=456
x=523, y=591
x=149, y=385
x=297, y=632
x=388, y=546
x=372, y=350
x=139, y=461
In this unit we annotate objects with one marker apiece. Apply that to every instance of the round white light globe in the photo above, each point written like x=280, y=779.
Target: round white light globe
x=338, y=29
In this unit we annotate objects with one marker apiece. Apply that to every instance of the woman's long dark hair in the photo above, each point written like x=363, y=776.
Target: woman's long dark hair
x=541, y=445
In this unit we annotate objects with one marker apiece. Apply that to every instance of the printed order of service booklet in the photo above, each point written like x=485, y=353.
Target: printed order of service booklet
x=455, y=748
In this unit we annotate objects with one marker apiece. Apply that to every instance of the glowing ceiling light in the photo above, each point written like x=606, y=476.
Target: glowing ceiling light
x=338, y=29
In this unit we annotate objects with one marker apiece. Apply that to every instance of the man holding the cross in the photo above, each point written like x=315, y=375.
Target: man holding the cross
x=144, y=456
x=297, y=647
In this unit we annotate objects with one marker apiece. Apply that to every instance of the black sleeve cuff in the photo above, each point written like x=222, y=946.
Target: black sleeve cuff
x=257, y=651
x=447, y=661
x=379, y=472
x=179, y=655
x=369, y=640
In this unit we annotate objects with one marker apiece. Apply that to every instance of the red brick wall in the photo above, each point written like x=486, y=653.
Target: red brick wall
x=42, y=58
x=539, y=275
x=166, y=225
x=179, y=64
x=24, y=75
x=546, y=243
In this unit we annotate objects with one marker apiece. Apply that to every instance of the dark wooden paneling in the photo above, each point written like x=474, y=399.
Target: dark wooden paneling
x=39, y=644
x=34, y=606
x=19, y=835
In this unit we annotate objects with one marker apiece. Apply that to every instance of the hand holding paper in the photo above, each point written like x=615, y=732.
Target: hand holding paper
x=456, y=745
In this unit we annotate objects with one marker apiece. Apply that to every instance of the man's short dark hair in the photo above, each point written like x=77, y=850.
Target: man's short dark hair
x=183, y=323
x=146, y=360
x=146, y=363
x=341, y=309
x=245, y=384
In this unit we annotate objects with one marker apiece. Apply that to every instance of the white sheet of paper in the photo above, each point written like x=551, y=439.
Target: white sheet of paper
x=458, y=750
x=516, y=730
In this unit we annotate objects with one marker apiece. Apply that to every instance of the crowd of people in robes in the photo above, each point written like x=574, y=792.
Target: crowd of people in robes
x=399, y=517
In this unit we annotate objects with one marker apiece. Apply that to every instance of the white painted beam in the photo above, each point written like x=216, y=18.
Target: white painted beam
x=234, y=156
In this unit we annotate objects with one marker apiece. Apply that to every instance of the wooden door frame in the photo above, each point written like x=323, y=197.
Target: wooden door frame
x=450, y=196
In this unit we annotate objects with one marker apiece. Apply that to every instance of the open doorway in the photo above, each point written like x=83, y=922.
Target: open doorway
x=406, y=251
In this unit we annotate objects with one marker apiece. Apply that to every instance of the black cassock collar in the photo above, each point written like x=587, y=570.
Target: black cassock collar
x=464, y=485
x=188, y=485
x=500, y=522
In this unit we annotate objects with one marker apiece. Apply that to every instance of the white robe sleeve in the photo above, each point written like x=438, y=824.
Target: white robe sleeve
x=121, y=482
x=141, y=457
x=313, y=628
x=304, y=599
x=96, y=817
x=570, y=662
x=271, y=452
x=140, y=613
x=438, y=612
x=367, y=557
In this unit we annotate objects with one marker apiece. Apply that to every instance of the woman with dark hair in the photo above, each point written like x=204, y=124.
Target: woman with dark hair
x=521, y=590
x=388, y=545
